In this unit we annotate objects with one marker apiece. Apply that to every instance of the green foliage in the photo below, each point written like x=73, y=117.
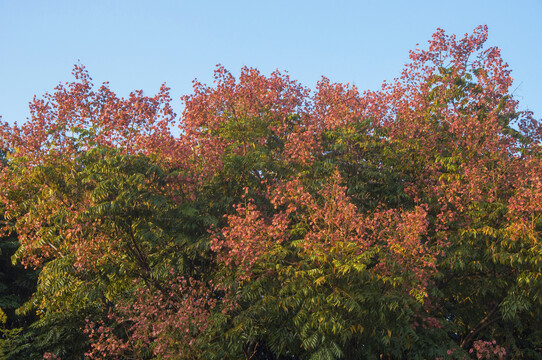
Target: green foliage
x=16, y=287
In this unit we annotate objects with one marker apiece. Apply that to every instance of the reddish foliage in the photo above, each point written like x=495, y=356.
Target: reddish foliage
x=168, y=320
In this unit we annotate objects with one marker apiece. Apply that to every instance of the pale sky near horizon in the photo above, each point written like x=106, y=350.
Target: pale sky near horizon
x=142, y=44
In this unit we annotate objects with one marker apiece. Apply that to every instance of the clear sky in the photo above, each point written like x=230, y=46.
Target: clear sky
x=141, y=44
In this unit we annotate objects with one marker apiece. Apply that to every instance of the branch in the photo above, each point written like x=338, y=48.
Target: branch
x=485, y=322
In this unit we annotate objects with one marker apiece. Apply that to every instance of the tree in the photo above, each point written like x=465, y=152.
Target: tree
x=399, y=223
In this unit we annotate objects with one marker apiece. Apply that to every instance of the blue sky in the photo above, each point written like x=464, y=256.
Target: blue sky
x=142, y=44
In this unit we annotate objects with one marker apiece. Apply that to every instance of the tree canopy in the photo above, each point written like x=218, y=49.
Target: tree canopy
x=280, y=223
